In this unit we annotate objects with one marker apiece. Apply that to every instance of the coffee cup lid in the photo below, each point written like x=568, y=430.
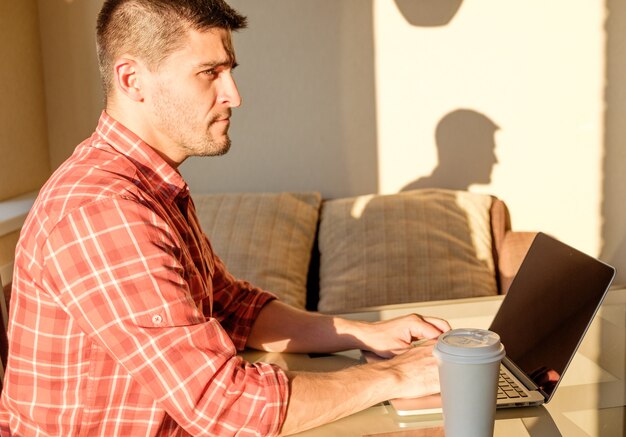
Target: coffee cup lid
x=469, y=346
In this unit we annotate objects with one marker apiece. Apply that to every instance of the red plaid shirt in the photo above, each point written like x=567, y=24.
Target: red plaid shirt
x=123, y=322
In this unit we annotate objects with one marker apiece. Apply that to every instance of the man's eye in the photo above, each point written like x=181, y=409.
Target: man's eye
x=211, y=73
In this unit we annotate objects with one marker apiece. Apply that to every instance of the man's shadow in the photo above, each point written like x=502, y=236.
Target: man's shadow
x=429, y=13
x=466, y=150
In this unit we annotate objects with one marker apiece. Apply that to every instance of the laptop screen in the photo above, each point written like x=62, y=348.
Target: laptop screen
x=548, y=309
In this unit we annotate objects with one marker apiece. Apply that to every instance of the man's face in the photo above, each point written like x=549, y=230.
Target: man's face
x=191, y=96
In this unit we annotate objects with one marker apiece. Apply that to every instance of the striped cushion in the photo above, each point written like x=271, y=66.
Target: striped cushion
x=413, y=246
x=263, y=238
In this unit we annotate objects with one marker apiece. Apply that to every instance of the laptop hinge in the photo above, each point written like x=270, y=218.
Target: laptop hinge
x=521, y=376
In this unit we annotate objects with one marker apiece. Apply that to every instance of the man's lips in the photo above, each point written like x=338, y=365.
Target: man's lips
x=223, y=117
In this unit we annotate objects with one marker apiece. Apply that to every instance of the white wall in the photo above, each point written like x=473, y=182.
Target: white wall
x=346, y=97
x=534, y=68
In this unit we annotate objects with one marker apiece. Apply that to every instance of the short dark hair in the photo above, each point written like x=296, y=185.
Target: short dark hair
x=153, y=29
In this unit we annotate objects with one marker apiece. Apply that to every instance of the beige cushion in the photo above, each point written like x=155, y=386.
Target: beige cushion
x=413, y=246
x=263, y=238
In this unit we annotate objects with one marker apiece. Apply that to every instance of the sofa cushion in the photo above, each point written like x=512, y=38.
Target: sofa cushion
x=413, y=246
x=263, y=238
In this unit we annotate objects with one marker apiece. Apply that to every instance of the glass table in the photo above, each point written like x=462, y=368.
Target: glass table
x=590, y=400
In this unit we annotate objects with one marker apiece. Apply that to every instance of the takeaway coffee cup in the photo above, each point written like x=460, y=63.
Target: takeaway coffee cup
x=469, y=362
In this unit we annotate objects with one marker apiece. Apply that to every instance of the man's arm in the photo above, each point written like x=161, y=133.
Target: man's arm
x=319, y=398
x=282, y=328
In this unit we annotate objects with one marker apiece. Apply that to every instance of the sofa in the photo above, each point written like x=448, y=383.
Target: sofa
x=339, y=255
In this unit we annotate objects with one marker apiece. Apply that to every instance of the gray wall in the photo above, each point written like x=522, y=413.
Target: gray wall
x=308, y=120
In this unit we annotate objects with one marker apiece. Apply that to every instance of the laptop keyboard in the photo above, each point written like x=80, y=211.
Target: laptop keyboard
x=508, y=388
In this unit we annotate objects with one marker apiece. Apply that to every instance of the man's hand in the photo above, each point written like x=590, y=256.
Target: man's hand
x=318, y=398
x=417, y=368
x=392, y=337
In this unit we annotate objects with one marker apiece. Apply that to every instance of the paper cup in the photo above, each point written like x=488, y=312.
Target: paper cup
x=469, y=365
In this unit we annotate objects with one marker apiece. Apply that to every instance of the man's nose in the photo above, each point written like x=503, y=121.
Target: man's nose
x=230, y=94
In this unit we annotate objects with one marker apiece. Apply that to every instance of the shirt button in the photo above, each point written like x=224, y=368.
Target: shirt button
x=157, y=319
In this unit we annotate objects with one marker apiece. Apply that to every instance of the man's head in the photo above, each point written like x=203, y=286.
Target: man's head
x=167, y=72
x=152, y=29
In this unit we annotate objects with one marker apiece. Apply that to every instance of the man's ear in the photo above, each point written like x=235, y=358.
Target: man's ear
x=127, y=73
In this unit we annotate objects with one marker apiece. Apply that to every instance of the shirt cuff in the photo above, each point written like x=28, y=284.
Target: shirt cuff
x=240, y=325
x=276, y=384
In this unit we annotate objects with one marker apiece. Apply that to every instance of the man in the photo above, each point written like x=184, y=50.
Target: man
x=123, y=321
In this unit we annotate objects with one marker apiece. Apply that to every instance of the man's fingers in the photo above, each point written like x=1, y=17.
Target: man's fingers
x=429, y=327
x=440, y=324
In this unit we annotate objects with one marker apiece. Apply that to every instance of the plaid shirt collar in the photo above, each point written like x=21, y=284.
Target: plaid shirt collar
x=162, y=176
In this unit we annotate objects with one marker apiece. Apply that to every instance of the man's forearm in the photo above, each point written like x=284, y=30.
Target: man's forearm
x=282, y=328
x=318, y=398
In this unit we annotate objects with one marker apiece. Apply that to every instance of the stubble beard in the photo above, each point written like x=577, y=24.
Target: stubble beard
x=207, y=145
x=203, y=145
x=175, y=117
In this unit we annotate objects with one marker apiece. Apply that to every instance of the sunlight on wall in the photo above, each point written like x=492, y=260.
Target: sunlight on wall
x=536, y=70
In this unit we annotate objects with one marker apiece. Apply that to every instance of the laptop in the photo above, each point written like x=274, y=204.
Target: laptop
x=541, y=322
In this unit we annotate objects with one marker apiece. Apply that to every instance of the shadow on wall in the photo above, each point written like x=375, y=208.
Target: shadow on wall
x=466, y=151
x=429, y=13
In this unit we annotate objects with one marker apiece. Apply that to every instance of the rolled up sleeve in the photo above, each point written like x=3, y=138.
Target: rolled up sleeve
x=236, y=304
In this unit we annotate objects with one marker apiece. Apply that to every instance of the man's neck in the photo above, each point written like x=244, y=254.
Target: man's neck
x=133, y=121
